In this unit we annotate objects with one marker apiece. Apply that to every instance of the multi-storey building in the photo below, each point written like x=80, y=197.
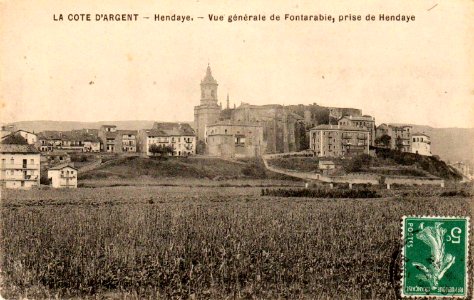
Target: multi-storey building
x=63, y=176
x=421, y=144
x=127, y=140
x=365, y=121
x=72, y=141
x=107, y=135
x=230, y=139
x=339, y=141
x=49, y=141
x=400, y=136
x=19, y=166
x=180, y=137
x=117, y=141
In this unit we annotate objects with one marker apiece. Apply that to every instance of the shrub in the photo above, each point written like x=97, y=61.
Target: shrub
x=321, y=193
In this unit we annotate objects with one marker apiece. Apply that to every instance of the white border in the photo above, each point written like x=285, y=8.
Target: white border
x=468, y=226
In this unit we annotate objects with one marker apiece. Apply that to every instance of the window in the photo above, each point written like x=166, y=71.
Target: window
x=32, y=161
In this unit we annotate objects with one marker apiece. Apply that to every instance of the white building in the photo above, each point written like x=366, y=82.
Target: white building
x=179, y=136
x=19, y=166
x=183, y=145
x=421, y=144
x=63, y=176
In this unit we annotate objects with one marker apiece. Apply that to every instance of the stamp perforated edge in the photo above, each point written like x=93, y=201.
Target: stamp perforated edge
x=402, y=269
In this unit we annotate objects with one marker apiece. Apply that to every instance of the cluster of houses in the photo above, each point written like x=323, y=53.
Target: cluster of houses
x=244, y=131
x=355, y=135
x=21, y=163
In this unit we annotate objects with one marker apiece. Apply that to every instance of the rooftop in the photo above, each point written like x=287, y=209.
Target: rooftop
x=12, y=148
x=62, y=166
x=359, y=118
x=419, y=133
x=174, y=129
x=339, y=127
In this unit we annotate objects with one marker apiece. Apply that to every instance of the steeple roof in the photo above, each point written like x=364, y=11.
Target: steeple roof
x=208, y=78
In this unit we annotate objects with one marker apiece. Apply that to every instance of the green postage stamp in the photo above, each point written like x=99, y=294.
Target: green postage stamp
x=435, y=256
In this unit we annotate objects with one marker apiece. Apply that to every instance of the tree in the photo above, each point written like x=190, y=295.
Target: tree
x=399, y=144
x=160, y=150
x=383, y=141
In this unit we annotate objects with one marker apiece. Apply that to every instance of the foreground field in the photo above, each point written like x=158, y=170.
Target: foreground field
x=203, y=242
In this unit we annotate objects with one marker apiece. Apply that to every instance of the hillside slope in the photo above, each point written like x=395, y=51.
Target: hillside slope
x=211, y=168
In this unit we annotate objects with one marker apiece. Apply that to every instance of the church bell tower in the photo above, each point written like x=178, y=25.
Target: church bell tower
x=208, y=89
x=208, y=111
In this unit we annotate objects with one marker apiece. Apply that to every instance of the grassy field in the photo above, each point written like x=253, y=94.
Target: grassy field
x=203, y=242
x=179, y=167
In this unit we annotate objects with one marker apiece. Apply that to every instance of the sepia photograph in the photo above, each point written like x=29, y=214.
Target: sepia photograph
x=205, y=149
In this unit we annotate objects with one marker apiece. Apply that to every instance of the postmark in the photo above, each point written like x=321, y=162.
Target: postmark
x=435, y=256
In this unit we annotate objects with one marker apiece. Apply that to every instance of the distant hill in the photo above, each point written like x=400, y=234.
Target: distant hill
x=451, y=144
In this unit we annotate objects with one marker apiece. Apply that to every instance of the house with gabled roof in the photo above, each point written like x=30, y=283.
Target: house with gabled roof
x=19, y=166
x=30, y=137
x=63, y=176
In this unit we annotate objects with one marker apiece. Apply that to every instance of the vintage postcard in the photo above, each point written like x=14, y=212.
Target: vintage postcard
x=203, y=149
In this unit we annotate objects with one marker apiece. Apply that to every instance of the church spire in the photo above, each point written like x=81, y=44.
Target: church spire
x=209, y=89
x=227, y=101
x=208, y=78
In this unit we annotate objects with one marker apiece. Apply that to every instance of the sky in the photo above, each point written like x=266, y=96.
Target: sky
x=420, y=72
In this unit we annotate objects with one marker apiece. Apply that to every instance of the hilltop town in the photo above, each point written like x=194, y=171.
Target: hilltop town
x=219, y=130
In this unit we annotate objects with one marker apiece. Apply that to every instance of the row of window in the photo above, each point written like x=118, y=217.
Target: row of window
x=166, y=140
x=13, y=172
x=419, y=140
x=12, y=161
x=67, y=172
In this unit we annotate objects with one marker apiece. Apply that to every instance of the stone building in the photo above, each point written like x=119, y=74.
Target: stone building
x=278, y=123
x=231, y=139
x=400, y=136
x=117, y=141
x=339, y=141
x=365, y=121
x=208, y=111
x=335, y=113
x=285, y=128
x=421, y=144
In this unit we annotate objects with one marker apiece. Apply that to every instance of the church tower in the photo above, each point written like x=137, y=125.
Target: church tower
x=208, y=111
